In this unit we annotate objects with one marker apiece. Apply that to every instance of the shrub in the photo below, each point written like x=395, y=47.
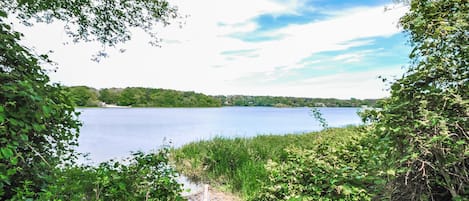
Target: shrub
x=337, y=166
x=423, y=125
x=140, y=177
x=38, y=124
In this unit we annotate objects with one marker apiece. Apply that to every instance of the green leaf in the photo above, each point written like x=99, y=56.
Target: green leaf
x=121, y=186
x=3, y=14
x=46, y=110
x=24, y=137
x=14, y=122
x=2, y=114
x=38, y=127
x=6, y=152
x=11, y=172
x=14, y=160
x=391, y=172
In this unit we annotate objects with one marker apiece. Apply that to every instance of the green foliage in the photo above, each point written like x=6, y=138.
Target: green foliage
x=109, y=96
x=140, y=177
x=151, y=97
x=38, y=125
x=318, y=116
x=240, y=163
x=148, y=97
x=84, y=96
x=335, y=166
x=274, y=101
x=140, y=97
x=423, y=125
x=107, y=22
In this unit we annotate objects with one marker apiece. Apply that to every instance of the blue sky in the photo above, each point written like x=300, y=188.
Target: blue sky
x=302, y=48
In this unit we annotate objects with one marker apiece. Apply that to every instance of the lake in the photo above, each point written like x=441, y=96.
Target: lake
x=114, y=132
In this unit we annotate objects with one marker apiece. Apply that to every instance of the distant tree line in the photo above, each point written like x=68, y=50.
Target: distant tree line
x=150, y=97
x=278, y=101
x=140, y=97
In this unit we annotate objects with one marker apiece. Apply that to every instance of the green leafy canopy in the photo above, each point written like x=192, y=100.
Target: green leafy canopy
x=105, y=21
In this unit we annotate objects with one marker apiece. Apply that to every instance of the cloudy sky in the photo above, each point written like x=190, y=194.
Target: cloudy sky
x=302, y=48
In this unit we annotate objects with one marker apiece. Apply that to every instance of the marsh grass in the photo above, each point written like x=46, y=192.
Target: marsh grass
x=238, y=164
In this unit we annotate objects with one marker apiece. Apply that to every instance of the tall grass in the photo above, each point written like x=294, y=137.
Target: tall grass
x=238, y=164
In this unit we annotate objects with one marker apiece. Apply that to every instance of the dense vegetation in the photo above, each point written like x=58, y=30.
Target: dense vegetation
x=38, y=125
x=415, y=147
x=423, y=126
x=332, y=164
x=84, y=96
x=140, y=97
x=277, y=101
x=38, y=122
x=150, y=97
x=139, y=177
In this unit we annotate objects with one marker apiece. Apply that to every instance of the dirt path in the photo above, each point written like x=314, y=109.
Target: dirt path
x=210, y=194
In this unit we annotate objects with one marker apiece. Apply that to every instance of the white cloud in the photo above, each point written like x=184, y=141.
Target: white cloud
x=300, y=41
x=191, y=57
x=354, y=56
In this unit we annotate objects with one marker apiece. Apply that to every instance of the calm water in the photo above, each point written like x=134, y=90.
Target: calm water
x=114, y=132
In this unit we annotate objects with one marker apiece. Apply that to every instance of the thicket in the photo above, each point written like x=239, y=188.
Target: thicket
x=423, y=125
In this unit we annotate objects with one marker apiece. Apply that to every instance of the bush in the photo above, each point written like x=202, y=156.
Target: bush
x=140, y=177
x=38, y=124
x=423, y=126
x=337, y=166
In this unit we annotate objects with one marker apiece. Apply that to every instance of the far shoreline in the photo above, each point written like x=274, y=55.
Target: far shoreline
x=134, y=107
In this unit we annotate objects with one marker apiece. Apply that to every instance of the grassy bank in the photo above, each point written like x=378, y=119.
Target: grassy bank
x=239, y=164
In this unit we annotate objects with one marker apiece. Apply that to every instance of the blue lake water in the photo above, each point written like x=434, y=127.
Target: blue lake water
x=114, y=132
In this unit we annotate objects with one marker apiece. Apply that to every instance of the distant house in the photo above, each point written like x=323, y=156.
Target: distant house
x=319, y=105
